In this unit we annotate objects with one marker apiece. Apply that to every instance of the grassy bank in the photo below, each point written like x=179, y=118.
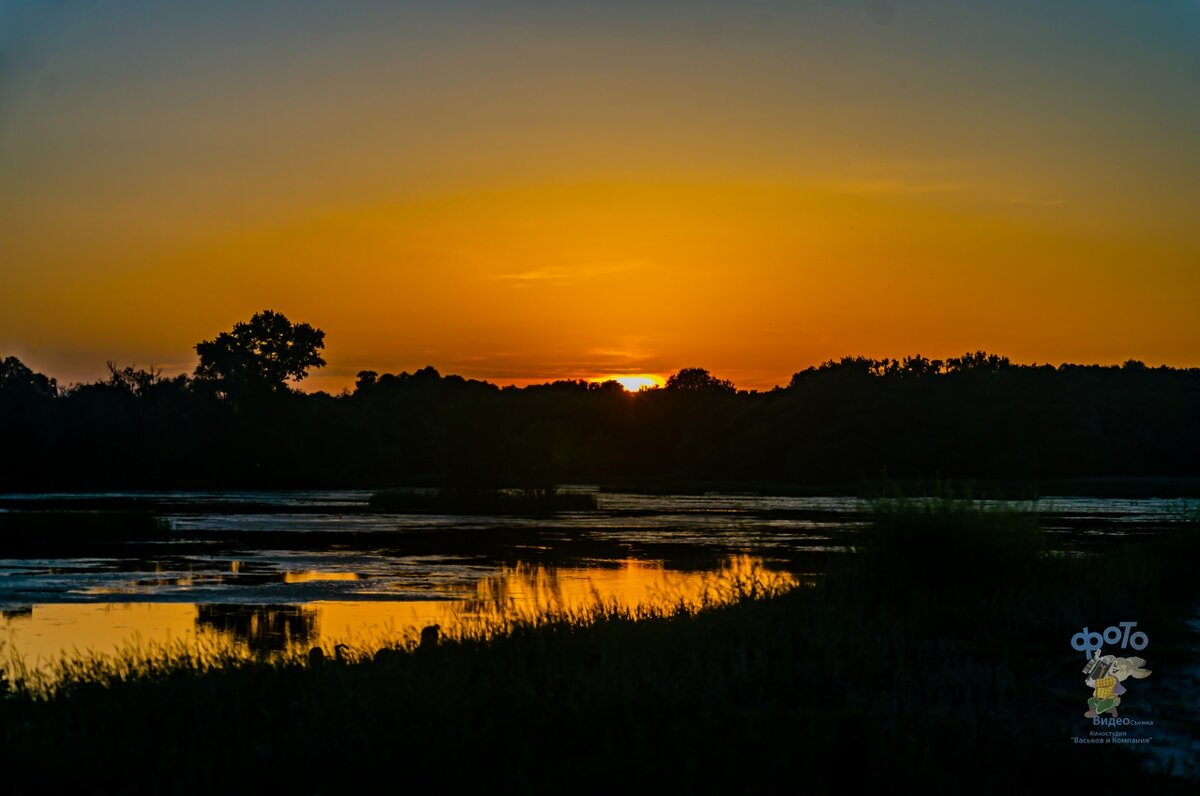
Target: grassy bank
x=938, y=654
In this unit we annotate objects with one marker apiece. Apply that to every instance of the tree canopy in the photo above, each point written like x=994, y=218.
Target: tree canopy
x=259, y=356
x=977, y=416
x=17, y=379
x=698, y=380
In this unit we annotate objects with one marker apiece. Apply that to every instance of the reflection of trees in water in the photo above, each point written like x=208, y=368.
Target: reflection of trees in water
x=264, y=628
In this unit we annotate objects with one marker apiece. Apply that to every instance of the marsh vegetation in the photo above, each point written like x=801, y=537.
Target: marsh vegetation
x=903, y=657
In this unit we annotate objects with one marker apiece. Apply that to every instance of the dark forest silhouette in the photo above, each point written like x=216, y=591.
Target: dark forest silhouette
x=236, y=422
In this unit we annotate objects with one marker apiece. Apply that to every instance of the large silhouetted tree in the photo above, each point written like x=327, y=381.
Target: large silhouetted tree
x=259, y=356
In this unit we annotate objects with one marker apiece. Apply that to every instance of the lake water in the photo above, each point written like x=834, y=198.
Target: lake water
x=276, y=571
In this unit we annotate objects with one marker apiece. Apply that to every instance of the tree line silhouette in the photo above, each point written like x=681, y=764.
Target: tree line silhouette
x=236, y=422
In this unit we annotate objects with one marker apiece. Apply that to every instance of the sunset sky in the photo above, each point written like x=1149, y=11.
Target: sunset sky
x=529, y=191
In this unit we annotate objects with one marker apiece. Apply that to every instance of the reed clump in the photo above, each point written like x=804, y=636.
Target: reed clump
x=942, y=541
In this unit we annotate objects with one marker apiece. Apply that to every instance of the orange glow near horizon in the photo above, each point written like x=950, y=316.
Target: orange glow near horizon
x=551, y=194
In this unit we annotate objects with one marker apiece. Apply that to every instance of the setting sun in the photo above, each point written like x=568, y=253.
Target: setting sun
x=635, y=383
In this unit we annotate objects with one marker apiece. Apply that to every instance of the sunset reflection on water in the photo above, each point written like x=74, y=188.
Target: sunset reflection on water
x=36, y=639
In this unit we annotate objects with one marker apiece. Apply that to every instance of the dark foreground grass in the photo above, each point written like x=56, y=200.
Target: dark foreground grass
x=889, y=675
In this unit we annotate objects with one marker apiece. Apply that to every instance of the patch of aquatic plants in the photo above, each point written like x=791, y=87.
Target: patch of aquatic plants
x=536, y=502
x=938, y=541
x=30, y=531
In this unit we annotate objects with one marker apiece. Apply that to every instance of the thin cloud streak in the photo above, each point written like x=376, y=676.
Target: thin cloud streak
x=565, y=274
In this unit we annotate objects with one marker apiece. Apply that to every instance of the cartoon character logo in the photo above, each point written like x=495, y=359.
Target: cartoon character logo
x=1105, y=675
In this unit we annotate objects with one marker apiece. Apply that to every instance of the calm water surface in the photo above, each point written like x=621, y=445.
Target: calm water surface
x=274, y=571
